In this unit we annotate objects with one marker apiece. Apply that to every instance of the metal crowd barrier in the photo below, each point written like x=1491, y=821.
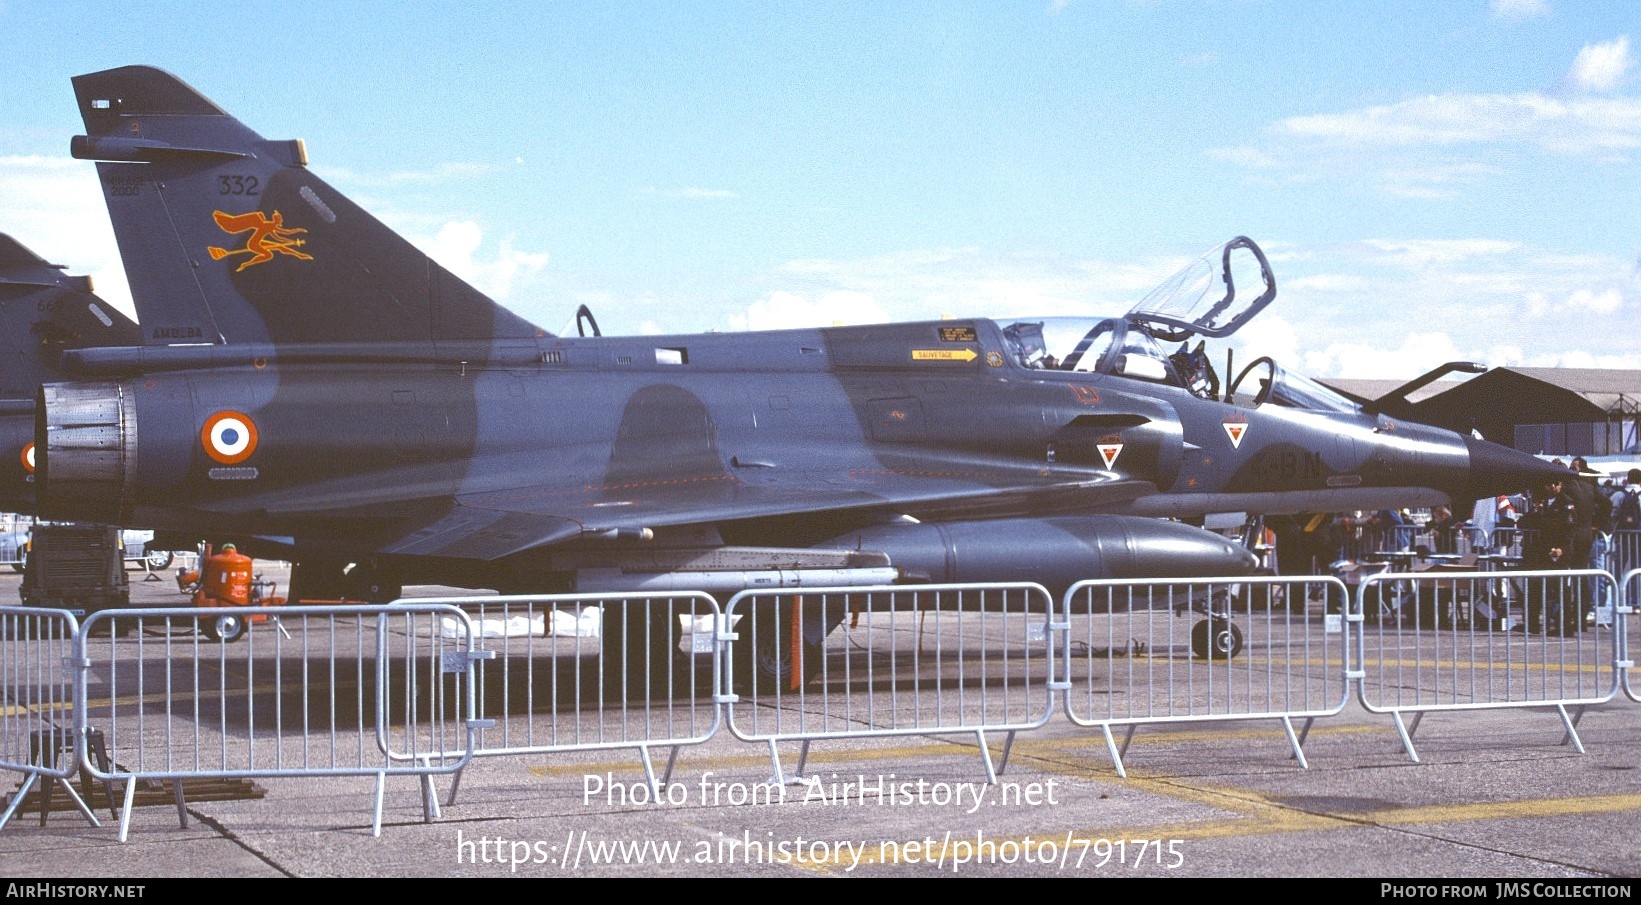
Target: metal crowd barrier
x=1629, y=604
x=918, y=659
x=420, y=687
x=38, y=683
x=304, y=691
x=13, y=548
x=1153, y=651
x=1446, y=641
x=1624, y=552
x=586, y=672
x=1512, y=541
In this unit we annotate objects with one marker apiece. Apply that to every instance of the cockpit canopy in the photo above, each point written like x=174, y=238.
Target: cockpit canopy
x=1108, y=346
x=1210, y=297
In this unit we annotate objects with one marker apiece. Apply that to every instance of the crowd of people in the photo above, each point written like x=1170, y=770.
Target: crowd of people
x=1563, y=524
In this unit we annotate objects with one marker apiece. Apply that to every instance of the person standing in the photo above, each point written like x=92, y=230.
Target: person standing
x=1588, y=505
x=1547, y=546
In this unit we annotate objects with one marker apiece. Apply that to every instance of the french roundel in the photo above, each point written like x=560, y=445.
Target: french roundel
x=28, y=458
x=229, y=437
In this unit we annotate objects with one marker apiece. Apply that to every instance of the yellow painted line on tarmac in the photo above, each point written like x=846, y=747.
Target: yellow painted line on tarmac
x=1486, y=667
x=17, y=710
x=1504, y=810
x=1030, y=749
x=1257, y=817
x=1255, y=814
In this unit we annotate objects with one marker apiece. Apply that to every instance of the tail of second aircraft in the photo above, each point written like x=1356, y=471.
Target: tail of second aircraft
x=44, y=311
x=228, y=237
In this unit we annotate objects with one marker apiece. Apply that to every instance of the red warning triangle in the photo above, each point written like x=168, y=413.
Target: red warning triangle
x=1109, y=452
x=1236, y=430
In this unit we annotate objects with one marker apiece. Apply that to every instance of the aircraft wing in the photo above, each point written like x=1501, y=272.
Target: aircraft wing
x=489, y=525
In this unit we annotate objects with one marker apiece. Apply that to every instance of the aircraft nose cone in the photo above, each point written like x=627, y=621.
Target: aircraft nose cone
x=1496, y=469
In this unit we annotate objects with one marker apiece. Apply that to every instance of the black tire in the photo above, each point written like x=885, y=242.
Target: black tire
x=158, y=560
x=227, y=627
x=373, y=584
x=761, y=658
x=1216, y=639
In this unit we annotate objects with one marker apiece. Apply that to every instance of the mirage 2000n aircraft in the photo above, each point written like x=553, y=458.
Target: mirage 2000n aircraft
x=334, y=397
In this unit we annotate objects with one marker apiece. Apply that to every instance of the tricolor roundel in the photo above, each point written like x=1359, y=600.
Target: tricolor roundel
x=28, y=458
x=229, y=437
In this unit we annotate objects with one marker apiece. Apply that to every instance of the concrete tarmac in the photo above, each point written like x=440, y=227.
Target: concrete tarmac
x=1496, y=794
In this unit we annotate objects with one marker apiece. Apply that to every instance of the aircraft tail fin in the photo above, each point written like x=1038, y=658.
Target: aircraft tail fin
x=227, y=237
x=44, y=311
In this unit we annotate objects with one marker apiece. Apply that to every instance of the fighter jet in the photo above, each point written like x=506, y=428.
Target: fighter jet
x=43, y=311
x=337, y=399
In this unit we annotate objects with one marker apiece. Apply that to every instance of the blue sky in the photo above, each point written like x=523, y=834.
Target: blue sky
x=1431, y=181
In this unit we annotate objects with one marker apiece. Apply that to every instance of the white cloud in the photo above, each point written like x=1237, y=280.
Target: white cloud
x=1422, y=252
x=1602, y=67
x=1418, y=353
x=929, y=283
x=692, y=193
x=1398, y=307
x=783, y=310
x=1520, y=9
x=54, y=207
x=1439, y=146
x=456, y=246
x=1326, y=282
x=1435, y=180
x=1579, y=126
x=1578, y=302
x=1268, y=335
x=1246, y=156
x=441, y=173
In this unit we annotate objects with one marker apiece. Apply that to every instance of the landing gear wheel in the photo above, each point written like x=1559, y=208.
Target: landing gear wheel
x=1216, y=639
x=371, y=583
x=763, y=656
x=227, y=628
x=158, y=560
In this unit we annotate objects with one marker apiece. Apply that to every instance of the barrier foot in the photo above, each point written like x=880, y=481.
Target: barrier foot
x=1293, y=740
x=1578, y=714
x=29, y=780
x=803, y=757
x=455, y=786
x=430, y=791
x=1128, y=738
x=1407, y=738
x=126, y=806
x=1572, y=733
x=775, y=764
x=1305, y=733
x=649, y=772
x=1111, y=746
x=376, y=818
x=672, y=761
x=430, y=800
x=1008, y=745
x=985, y=757
x=68, y=786
x=182, y=806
